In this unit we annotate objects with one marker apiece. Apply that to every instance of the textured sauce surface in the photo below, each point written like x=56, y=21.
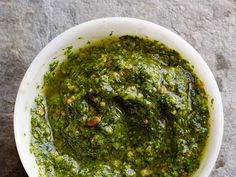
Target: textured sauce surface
x=123, y=106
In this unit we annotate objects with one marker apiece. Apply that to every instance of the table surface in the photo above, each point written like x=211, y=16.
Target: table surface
x=26, y=26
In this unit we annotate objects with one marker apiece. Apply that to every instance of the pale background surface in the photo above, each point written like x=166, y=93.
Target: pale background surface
x=27, y=26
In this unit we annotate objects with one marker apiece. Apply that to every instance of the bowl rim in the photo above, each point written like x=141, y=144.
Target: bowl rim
x=63, y=36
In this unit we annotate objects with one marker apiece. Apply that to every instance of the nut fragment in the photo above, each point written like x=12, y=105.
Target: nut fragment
x=103, y=55
x=146, y=172
x=128, y=66
x=108, y=63
x=70, y=100
x=94, y=121
x=145, y=121
x=121, y=73
x=162, y=89
x=41, y=110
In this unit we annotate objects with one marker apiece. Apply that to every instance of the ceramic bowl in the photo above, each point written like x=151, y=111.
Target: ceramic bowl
x=94, y=30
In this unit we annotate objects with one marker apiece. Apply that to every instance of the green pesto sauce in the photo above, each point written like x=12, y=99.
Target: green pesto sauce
x=120, y=107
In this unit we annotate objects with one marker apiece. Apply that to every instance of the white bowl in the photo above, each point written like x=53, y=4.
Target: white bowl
x=94, y=30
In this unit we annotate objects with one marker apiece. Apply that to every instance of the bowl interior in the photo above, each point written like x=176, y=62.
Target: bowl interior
x=94, y=30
